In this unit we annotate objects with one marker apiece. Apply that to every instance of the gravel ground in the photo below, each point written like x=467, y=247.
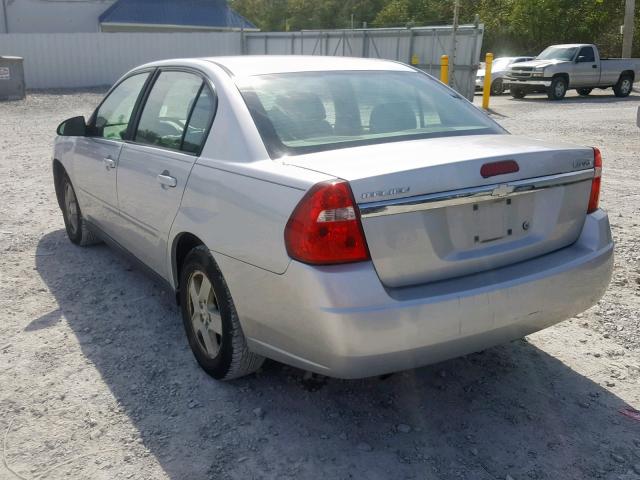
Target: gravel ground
x=97, y=382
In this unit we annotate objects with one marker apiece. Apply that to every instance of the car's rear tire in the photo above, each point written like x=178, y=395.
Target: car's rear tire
x=497, y=87
x=77, y=228
x=211, y=321
x=624, y=86
x=517, y=92
x=558, y=88
x=584, y=91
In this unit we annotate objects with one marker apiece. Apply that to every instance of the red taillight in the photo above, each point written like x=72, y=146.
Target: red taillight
x=325, y=227
x=499, y=168
x=594, y=197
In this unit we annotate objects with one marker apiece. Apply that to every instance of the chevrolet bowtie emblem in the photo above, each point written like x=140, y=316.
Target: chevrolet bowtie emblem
x=502, y=190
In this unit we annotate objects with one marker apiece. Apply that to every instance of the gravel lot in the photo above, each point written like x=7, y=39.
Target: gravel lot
x=97, y=382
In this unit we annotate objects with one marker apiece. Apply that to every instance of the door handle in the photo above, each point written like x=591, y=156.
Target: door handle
x=109, y=163
x=594, y=66
x=167, y=180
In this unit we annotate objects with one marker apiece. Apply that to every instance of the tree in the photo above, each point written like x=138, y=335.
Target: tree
x=511, y=26
x=268, y=15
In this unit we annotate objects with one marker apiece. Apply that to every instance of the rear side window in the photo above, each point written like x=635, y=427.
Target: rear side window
x=201, y=117
x=167, y=111
x=387, y=106
x=113, y=116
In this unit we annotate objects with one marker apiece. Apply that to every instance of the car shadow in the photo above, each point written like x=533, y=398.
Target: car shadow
x=511, y=410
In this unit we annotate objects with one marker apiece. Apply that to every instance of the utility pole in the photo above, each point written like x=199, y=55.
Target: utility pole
x=627, y=34
x=4, y=17
x=452, y=58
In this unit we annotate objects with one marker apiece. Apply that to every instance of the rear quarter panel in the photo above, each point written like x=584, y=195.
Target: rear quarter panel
x=241, y=211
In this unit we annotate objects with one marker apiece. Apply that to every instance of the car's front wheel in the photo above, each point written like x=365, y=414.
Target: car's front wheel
x=558, y=88
x=497, y=87
x=75, y=224
x=211, y=321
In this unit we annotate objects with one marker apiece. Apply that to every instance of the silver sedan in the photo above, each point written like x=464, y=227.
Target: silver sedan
x=499, y=70
x=350, y=217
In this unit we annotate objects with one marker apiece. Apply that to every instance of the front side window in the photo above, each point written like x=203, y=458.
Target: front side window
x=113, y=116
x=307, y=112
x=586, y=55
x=164, y=119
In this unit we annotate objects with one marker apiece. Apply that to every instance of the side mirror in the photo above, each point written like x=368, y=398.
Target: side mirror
x=73, y=127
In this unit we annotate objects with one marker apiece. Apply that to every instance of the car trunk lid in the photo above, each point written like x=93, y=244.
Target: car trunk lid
x=428, y=214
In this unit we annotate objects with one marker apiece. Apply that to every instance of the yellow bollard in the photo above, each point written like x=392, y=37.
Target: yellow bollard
x=415, y=60
x=486, y=90
x=444, y=69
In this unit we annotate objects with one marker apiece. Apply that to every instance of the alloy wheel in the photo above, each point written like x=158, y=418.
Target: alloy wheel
x=204, y=313
x=71, y=208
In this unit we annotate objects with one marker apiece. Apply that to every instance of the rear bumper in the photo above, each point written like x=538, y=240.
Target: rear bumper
x=341, y=321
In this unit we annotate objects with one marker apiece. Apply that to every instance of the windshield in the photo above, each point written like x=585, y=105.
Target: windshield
x=558, y=53
x=314, y=111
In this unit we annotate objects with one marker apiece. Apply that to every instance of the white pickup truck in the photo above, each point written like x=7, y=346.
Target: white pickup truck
x=561, y=67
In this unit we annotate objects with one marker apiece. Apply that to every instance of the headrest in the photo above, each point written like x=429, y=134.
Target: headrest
x=302, y=106
x=392, y=117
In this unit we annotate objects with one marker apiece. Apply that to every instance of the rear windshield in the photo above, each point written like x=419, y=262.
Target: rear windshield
x=314, y=111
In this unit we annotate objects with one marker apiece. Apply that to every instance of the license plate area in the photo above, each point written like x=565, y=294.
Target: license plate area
x=475, y=227
x=492, y=220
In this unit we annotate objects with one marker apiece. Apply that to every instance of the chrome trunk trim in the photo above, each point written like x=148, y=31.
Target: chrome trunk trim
x=472, y=195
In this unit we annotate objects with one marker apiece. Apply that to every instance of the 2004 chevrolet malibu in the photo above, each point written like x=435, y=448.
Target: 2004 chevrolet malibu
x=351, y=217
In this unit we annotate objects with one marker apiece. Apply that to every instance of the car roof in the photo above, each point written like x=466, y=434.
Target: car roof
x=248, y=65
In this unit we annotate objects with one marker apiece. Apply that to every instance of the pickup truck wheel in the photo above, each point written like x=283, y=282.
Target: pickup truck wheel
x=211, y=321
x=75, y=224
x=558, y=89
x=497, y=87
x=517, y=92
x=584, y=91
x=623, y=87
